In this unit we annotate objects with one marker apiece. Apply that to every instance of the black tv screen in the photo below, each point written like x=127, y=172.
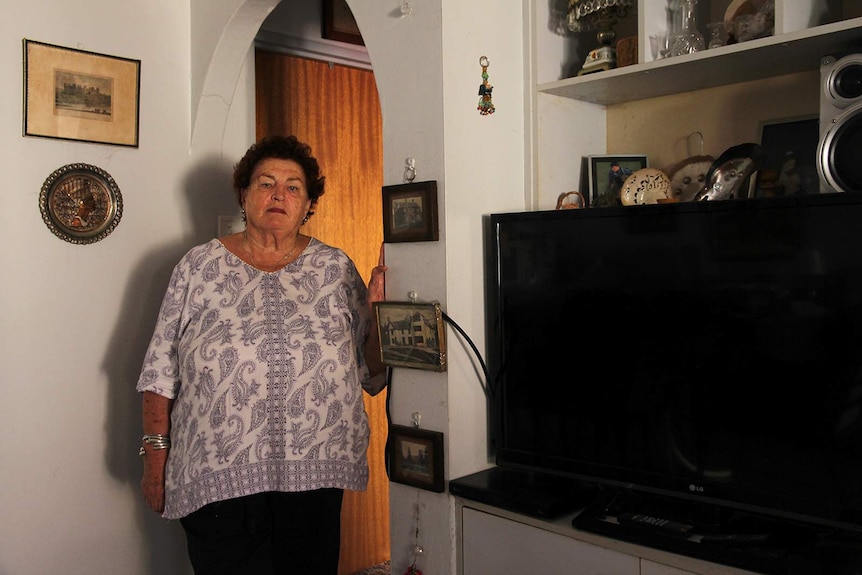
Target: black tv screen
x=708, y=351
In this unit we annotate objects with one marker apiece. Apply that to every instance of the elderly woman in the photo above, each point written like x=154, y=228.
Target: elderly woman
x=253, y=416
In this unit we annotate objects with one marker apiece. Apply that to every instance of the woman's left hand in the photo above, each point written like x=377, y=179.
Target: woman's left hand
x=377, y=284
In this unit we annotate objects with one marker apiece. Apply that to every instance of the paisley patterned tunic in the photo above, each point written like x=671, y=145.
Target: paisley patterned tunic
x=266, y=370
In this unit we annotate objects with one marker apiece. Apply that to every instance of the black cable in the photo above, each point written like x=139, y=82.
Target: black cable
x=386, y=447
x=486, y=385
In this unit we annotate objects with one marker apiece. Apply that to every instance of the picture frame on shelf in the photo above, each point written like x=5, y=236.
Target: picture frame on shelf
x=339, y=23
x=411, y=335
x=72, y=94
x=606, y=174
x=410, y=212
x=415, y=457
x=790, y=151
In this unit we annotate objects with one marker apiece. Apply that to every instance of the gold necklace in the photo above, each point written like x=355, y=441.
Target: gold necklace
x=245, y=238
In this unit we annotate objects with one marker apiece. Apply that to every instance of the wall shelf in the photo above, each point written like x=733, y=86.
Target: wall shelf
x=756, y=59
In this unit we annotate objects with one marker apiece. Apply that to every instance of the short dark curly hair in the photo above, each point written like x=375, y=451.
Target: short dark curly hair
x=285, y=148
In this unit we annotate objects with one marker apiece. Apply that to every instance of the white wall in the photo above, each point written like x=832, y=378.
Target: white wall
x=77, y=318
x=429, y=94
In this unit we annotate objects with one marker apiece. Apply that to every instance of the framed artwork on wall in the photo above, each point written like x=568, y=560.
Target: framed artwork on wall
x=410, y=212
x=72, y=94
x=416, y=457
x=412, y=335
x=339, y=23
x=607, y=174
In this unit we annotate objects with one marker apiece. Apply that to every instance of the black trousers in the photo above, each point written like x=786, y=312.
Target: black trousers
x=267, y=534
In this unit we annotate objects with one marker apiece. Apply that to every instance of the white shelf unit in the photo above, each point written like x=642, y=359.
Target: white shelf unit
x=568, y=116
x=494, y=540
x=753, y=60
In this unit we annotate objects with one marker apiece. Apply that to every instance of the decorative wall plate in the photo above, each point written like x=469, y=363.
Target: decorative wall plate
x=81, y=203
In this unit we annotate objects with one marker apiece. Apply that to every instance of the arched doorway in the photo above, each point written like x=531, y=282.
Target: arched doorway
x=361, y=545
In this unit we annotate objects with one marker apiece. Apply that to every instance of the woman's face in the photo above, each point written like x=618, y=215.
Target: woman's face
x=276, y=198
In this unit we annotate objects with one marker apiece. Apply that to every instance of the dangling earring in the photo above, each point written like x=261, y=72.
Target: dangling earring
x=243, y=214
x=305, y=219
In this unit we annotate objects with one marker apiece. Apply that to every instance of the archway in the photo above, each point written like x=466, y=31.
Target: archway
x=219, y=102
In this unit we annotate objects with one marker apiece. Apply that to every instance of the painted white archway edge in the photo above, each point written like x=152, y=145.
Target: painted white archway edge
x=218, y=55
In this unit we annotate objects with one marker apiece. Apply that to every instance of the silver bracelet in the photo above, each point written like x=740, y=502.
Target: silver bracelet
x=157, y=440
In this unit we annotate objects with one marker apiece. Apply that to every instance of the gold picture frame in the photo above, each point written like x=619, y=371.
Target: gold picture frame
x=72, y=94
x=412, y=335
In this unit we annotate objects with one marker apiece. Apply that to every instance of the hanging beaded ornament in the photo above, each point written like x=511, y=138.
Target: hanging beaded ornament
x=486, y=106
x=418, y=551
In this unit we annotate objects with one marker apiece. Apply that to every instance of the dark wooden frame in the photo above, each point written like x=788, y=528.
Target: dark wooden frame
x=104, y=109
x=428, y=355
x=339, y=23
x=798, y=135
x=408, y=466
x=399, y=225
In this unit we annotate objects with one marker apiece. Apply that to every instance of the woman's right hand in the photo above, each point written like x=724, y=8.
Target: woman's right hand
x=153, y=479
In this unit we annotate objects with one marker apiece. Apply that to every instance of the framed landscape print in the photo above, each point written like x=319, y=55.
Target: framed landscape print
x=72, y=94
x=410, y=212
x=416, y=457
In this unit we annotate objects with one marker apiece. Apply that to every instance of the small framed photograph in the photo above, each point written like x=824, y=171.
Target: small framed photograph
x=410, y=212
x=416, y=457
x=339, y=23
x=607, y=174
x=790, y=163
x=72, y=94
x=412, y=335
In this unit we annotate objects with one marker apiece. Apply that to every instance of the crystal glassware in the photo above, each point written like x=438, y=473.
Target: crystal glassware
x=716, y=34
x=688, y=40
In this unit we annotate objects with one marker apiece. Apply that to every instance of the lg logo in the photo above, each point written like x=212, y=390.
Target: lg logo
x=695, y=488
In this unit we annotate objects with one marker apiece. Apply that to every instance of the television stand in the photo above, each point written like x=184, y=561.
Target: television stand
x=722, y=535
x=529, y=492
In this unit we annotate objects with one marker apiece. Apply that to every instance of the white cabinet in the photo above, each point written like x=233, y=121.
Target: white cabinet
x=493, y=541
x=495, y=545
x=570, y=113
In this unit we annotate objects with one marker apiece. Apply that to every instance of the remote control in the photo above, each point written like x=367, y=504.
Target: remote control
x=657, y=522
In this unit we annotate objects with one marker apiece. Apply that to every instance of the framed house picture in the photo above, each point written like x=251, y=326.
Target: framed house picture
x=416, y=457
x=410, y=212
x=606, y=174
x=412, y=335
x=72, y=94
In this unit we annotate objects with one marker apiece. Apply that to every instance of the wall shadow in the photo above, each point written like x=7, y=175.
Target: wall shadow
x=208, y=193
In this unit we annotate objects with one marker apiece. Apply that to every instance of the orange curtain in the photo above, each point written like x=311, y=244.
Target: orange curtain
x=336, y=110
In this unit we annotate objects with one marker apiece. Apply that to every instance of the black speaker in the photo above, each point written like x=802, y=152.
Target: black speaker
x=839, y=149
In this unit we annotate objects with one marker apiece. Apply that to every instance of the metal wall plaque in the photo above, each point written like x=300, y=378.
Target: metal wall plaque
x=81, y=203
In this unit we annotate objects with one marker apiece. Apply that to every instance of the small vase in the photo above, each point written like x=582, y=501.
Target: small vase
x=716, y=34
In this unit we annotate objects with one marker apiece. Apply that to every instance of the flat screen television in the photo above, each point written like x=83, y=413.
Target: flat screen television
x=704, y=352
